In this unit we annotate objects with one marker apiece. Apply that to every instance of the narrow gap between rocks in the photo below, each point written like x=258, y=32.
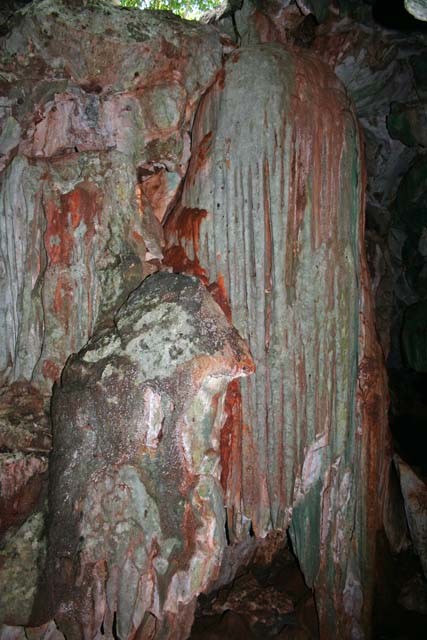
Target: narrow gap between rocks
x=267, y=599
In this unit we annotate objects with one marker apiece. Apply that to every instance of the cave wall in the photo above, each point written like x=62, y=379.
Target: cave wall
x=378, y=49
x=97, y=136
x=141, y=408
x=269, y=218
x=97, y=105
x=89, y=109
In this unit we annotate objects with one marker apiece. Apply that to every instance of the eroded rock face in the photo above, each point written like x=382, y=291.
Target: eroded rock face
x=269, y=217
x=97, y=104
x=137, y=519
x=414, y=491
x=94, y=140
x=25, y=442
x=418, y=8
x=97, y=108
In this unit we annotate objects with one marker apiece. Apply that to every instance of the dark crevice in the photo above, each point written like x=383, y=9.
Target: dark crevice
x=114, y=629
x=393, y=15
x=227, y=530
x=266, y=599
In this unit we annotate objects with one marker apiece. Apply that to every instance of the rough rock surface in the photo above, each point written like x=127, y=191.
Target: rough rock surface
x=375, y=65
x=269, y=218
x=22, y=559
x=96, y=111
x=47, y=631
x=414, y=491
x=95, y=103
x=417, y=8
x=25, y=442
x=137, y=525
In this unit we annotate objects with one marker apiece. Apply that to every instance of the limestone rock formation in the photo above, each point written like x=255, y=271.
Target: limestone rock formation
x=110, y=170
x=269, y=219
x=136, y=509
x=96, y=102
x=96, y=108
x=25, y=442
x=417, y=8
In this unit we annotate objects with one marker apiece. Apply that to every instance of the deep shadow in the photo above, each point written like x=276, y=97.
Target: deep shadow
x=393, y=15
x=392, y=621
x=266, y=600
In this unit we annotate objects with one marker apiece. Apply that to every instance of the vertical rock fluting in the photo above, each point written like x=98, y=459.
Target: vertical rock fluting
x=136, y=509
x=95, y=113
x=95, y=116
x=269, y=219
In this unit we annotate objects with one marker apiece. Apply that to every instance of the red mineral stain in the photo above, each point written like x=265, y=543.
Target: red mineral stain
x=189, y=526
x=63, y=300
x=203, y=152
x=219, y=294
x=62, y=220
x=220, y=78
x=297, y=202
x=372, y=393
x=83, y=203
x=266, y=28
x=168, y=65
x=155, y=188
x=176, y=258
x=268, y=252
x=137, y=236
x=15, y=508
x=231, y=431
x=185, y=227
x=58, y=239
x=51, y=370
x=188, y=228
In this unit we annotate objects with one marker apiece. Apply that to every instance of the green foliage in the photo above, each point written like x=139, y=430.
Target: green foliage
x=184, y=8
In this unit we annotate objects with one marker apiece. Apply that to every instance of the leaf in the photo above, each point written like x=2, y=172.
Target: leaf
x=184, y=8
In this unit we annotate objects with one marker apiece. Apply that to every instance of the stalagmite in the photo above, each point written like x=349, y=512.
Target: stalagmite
x=269, y=219
x=136, y=510
x=134, y=145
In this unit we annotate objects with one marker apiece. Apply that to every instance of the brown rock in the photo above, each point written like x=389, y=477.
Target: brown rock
x=137, y=515
x=98, y=95
x=270, y=218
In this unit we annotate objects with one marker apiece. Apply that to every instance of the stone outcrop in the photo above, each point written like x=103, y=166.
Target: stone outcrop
x=379, y=54
x=136, y=510
x=269, y=219
x=95, y=115
x=97, y=102
x=162, y=481
x=25, y=443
